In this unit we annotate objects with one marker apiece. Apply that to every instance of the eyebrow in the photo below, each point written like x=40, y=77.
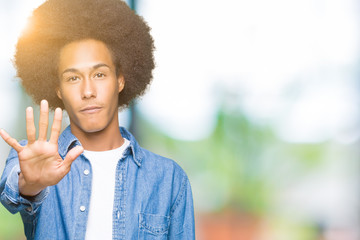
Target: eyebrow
x=77, y=71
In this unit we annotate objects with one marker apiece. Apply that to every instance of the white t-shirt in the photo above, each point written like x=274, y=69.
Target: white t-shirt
x=103, y=165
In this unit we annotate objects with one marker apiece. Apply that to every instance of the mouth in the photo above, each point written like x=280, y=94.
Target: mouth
x=90, y=109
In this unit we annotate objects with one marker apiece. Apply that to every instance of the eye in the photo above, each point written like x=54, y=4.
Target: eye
x=99, y=75
x=72, y=78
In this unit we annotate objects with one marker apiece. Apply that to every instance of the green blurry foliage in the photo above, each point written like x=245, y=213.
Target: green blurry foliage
x=240, y=165
x=11, y=227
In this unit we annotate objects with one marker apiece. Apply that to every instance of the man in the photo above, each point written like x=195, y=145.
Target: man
x=93, y=181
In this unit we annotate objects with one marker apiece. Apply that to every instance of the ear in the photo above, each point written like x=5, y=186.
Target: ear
x=121, y=83
x=58, y=93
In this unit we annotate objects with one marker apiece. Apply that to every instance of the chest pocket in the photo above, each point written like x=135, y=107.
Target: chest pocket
x=153, y=227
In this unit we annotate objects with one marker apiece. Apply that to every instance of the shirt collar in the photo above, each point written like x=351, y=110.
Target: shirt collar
x=67, y=141
x=135, y=148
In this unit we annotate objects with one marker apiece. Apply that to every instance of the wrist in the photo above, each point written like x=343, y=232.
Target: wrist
x=28, y=190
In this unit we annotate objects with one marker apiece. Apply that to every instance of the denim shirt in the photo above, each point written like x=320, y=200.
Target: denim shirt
x=152, y=200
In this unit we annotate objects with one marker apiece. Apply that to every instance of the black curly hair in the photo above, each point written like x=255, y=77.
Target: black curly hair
x=58, y=22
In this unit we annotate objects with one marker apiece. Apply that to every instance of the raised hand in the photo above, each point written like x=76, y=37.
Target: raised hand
x=40, y=162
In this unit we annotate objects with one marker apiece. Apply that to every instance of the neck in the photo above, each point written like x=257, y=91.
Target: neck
x=107, y=139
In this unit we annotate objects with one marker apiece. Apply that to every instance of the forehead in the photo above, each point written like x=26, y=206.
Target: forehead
x=84, y=54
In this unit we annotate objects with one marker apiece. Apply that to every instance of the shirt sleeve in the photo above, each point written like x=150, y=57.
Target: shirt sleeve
x=9, y=188
x=182, y=225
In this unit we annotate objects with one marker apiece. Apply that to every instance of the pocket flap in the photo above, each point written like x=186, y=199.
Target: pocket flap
x=157, y=224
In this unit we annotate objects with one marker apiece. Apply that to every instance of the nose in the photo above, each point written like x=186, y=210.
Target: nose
x=88, y=89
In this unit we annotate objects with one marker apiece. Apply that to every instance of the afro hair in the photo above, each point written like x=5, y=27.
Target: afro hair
x=58, y=22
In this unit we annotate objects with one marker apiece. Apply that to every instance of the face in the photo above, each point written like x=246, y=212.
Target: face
x=89, y=86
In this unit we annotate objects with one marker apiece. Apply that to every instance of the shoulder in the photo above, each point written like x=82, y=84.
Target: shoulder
x=160, y=164
x=164, y=173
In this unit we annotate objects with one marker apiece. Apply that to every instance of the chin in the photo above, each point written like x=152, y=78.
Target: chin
x=92, y=127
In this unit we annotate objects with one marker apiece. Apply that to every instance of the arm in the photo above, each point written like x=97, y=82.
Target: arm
x=182, y=224
x=9, y=188
x=34, y=166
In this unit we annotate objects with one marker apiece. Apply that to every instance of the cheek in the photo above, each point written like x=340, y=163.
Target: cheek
x=69, y=93
x=70, y=100
x=109, y=92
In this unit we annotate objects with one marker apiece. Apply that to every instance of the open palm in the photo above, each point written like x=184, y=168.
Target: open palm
x=40, y=163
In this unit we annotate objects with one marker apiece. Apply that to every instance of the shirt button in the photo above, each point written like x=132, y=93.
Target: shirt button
x=86, y=172
x=82, y=208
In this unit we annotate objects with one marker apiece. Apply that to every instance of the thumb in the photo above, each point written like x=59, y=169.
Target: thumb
x=72, y=155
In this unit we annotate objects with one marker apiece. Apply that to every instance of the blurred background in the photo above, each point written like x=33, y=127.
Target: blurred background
x=257, y=100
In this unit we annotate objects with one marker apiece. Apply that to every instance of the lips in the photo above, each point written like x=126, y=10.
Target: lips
x=90, y=109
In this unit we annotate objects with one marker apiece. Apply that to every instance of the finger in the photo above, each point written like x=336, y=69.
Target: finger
x=11, y=141
x=30, y=126
x=71, y=156
x=56, y=127
x=44, y=120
